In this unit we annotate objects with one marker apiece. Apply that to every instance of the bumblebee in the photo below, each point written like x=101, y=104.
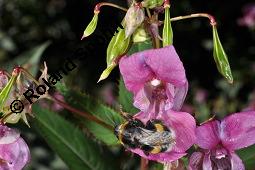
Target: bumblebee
x=153, y=138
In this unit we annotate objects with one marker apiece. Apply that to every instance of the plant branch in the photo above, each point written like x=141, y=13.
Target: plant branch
x=210, y=17
x=82, y=114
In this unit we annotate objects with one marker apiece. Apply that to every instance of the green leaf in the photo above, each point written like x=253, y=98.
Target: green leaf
x=4, y=94
x=167, y=29
x=248, y=157
x=220, y=57
x=29, y=60
x=140, y=46
x=91, y=27
x=104, y=113
x=125, y=98
x=77, y=151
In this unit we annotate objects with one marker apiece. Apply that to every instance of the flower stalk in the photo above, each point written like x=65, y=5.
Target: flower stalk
x=99, y=5
x=210, y=17
x=82, y=114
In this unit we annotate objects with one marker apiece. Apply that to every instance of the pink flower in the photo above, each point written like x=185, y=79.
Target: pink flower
x=249, y=16
x=14, y=152
x=220, y=139
x=182, y=125
x=157, y=79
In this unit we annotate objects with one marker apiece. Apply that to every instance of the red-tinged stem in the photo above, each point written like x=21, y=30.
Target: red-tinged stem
x=166, y=3
x=210, y=17
x=144, y=164
x=99, y=5
x=82, y=114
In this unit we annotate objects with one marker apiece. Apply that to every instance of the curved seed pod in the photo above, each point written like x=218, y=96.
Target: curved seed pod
x=117, y=47
x=220, y=57
x=91, y=27
x=167, y=30
x=152, y=3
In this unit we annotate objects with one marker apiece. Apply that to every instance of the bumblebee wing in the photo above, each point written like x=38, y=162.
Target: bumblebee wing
x=157, y=139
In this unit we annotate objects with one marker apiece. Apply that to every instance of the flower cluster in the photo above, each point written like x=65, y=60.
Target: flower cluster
x=14, y=152
x=157, y=79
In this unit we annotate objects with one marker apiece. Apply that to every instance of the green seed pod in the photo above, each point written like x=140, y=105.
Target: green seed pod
x=220, y=57
x=116, y=48
x=4, y=94
x=140, y=35
x=152, y=3
x=91, y=27
x=167, y=29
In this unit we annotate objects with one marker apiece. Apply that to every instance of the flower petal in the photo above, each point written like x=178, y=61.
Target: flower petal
x=196, y=161
x=207, y=135
x=180, y=95
x=166, y=65
x=183, y=126
x=238, y=130
x=8, y=135
x=236, y=162
x=145, y=116
x=161, y=157
x=142, y=99
x=16, y=155
x=135, y=71
x=207, y=164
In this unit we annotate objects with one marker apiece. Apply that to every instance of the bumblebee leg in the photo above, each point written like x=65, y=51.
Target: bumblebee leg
x=125, y=115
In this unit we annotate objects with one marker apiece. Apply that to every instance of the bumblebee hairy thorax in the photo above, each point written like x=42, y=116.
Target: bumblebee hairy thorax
x=154, y=137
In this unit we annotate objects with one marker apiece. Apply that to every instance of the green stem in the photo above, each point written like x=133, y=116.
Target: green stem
x=148, y=12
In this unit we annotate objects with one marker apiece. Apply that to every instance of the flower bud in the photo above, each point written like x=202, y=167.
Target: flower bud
x=133, y=19
x=91, y=27
x=152, y=3
x=220, y=57
x=116, y=48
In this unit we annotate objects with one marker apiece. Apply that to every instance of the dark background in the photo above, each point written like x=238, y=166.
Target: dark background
x=27, y=23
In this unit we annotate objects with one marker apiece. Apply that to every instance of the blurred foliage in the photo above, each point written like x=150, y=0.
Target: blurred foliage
x=25, y=24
